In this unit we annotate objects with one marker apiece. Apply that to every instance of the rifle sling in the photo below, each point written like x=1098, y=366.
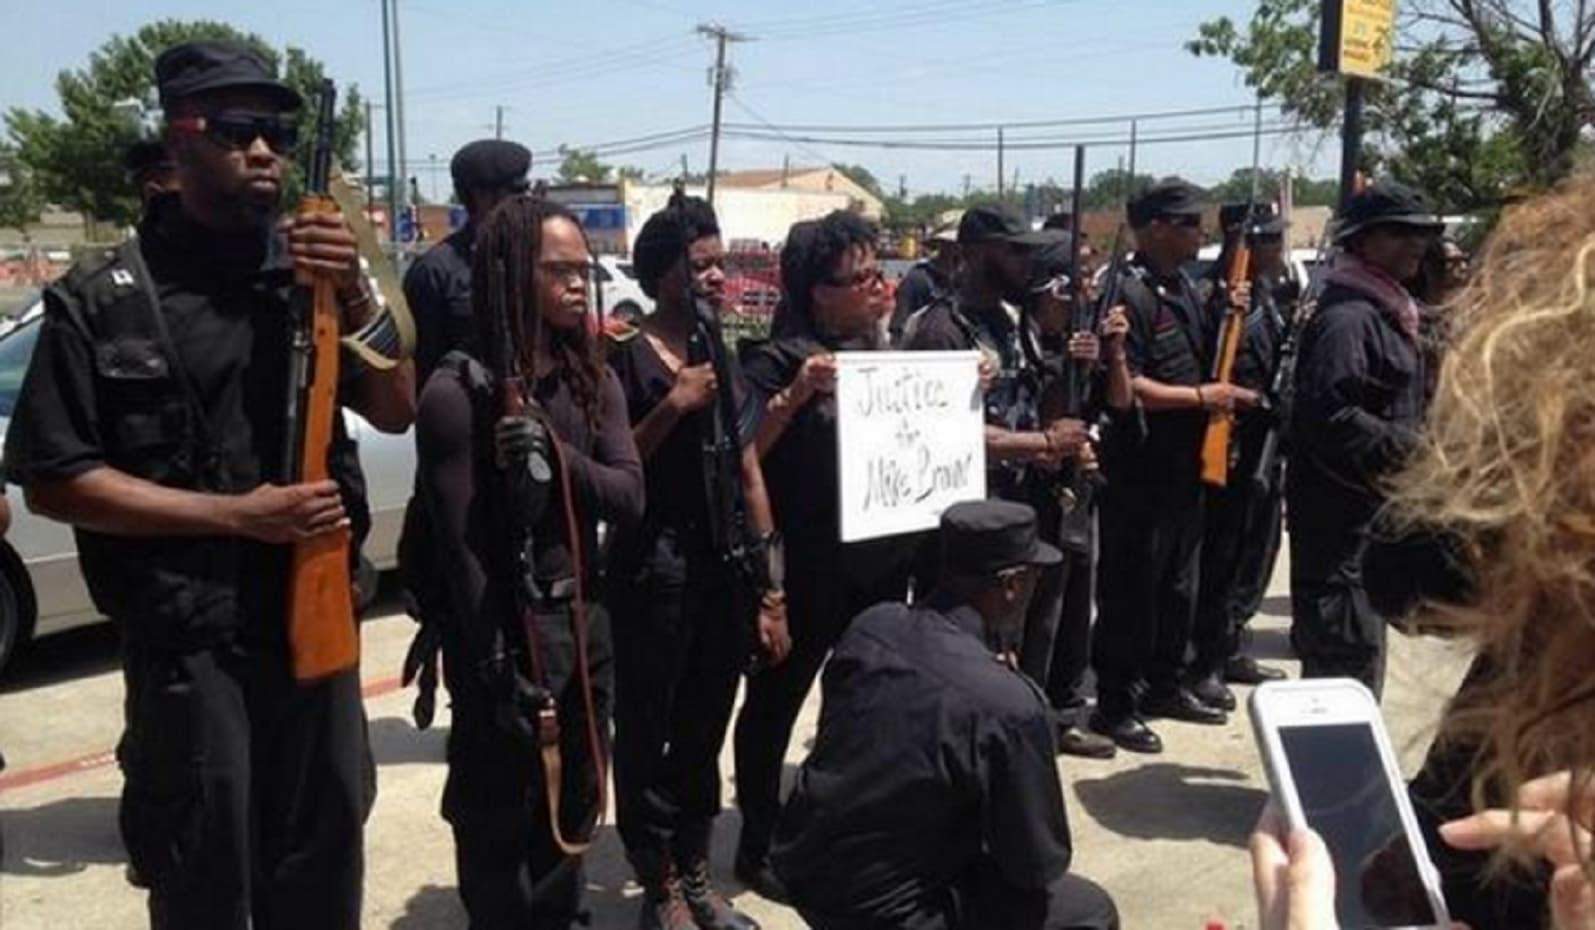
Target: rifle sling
x=548, y=718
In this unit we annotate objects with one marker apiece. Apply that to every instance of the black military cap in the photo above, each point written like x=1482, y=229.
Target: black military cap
x=994, y=224
x=1165, y=199
x=200, y=67
x=1387, y=202
x=1052, y=262
x=145, y=156
x=1231, y=215
x=980, y=538
x=1063, y=220
x=491, y=165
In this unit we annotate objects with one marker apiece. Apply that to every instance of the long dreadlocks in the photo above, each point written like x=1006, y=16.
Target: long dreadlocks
x=513, y=234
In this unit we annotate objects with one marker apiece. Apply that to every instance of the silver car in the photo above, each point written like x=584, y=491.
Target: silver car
x=41, y=588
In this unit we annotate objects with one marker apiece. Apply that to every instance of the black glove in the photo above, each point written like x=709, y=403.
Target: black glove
x=522, y=446
x=520, y=708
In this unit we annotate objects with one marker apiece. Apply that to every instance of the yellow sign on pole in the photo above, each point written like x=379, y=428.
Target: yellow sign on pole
x=1358, y=36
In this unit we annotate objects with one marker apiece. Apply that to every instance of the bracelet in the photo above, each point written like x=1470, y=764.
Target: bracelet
x=1199, y=401
x=775, y=597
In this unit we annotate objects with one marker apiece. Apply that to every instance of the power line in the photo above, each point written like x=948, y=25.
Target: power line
x=1033, y=145
x=1242, y=109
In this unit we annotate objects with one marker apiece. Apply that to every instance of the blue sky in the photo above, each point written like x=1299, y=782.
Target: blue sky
x=601, y=70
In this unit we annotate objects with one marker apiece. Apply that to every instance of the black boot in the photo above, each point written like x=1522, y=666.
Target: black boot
x=710, y=910
x=663, y=907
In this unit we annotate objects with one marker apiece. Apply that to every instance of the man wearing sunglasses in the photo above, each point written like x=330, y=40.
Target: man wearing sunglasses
x=153, y=420
x=1359, y=400
x=1151, y=520
x=997, y=249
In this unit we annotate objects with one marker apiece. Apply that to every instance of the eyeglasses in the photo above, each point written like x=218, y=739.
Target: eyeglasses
x=1184, y=221
x=866, y=279
x=238, y=130
x=566, y=271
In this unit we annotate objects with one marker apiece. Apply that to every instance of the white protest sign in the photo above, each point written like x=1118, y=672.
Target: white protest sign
x=910, y=437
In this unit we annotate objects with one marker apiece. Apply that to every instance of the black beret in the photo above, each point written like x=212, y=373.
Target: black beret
x=1387, y=202
x=200, y=67
x=995, y=224
x=491, y=165
x=1164, y=199
x=982, y=538
x=144, y=156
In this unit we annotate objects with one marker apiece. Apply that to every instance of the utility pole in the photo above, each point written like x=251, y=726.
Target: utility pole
x=371, y=165
x=999, y=162
x=966, y=187
x=498, y=122
x=432, y=166
x=393, y=152
x=398, y=110
x=902, y=187
x=721, y=78
x=1134, y=128
x=684, y=171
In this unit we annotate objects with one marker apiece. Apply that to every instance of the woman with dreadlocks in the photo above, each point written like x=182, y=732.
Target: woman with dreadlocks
x=520, y=455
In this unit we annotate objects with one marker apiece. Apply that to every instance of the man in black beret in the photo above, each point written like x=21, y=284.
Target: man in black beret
x=1359, y=401
x=1241, y=526
x=438, y=284
x=931, y=797
x=1152, y=506
x=681, y=642
x=152, y=419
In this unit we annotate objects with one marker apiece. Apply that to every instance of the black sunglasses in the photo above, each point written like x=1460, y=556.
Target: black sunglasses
x=1183, y=220
x=238, y=130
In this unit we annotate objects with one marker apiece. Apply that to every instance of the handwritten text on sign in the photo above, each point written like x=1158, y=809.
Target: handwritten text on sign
x=910, y=438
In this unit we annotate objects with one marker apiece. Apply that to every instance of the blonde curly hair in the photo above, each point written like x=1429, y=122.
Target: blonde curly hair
x=1507, y=466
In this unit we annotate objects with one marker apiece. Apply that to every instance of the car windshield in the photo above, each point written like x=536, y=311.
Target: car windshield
x=15, y=350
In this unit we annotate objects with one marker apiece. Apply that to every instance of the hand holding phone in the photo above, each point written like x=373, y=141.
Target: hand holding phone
x=1332, y=771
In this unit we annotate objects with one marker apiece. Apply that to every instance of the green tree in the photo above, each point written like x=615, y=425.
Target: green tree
x=578, y=165
x=1113, y=188
x=77, y=159
x=1482, y=97
x=21, y=201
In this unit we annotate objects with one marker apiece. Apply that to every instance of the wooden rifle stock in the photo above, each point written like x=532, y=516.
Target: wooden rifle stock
x=322, y=636
x=1221, y=423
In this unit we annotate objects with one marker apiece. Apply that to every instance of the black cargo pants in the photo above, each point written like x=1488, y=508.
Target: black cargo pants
x=246, y=792
x=679, y=651
x=512, y=875
x=1151, y=544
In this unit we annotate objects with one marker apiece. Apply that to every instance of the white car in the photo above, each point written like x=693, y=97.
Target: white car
x=1303, y=263
x=620, y=294
x=41, y=587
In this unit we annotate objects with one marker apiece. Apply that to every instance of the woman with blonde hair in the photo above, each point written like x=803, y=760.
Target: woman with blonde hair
x=1506, y=471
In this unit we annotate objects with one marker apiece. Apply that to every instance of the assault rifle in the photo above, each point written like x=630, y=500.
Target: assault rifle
x=322, y=636
x=1065, y=393
x=754, y=563
x=1281, y=393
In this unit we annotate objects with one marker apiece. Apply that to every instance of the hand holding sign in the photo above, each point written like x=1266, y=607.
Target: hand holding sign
x=910, y=439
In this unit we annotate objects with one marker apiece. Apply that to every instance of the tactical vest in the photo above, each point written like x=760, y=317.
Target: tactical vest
x=154, y=424
x=168, y=592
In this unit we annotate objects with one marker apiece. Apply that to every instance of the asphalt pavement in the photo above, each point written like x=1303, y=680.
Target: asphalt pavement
x=1165, y=834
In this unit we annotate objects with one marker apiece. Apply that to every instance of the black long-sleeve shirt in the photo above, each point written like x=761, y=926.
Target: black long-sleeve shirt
x=464, y=493
x=932, y=759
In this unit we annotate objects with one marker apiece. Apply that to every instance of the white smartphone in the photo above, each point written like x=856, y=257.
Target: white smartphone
x=1329, y=762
